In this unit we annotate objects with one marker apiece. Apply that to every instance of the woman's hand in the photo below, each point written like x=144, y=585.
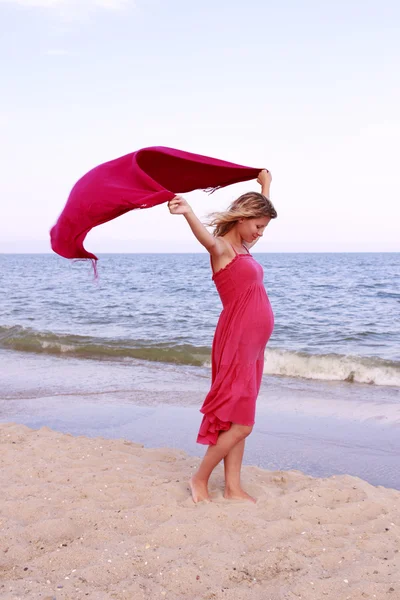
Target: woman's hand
x=179, y=206
x=264, y=177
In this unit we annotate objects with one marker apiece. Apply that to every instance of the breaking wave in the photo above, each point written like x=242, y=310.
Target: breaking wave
x=328, y=367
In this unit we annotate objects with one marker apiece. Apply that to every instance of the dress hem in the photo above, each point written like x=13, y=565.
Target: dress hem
x=212, y=428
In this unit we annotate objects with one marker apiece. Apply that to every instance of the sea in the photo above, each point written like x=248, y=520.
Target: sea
x=78, y=352
x=337, y=316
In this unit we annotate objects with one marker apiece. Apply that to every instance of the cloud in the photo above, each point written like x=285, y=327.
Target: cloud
x=72, y=10
x=73, y=6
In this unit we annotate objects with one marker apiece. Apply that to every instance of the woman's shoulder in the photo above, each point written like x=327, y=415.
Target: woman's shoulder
x=221, y=254
x=222, y=245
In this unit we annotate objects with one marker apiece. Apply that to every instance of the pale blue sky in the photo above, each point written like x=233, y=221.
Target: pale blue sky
x=309, y=89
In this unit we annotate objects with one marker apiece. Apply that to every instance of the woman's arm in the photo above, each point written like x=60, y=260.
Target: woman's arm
x=250, y=245
x=264, y=179
x=179, y=206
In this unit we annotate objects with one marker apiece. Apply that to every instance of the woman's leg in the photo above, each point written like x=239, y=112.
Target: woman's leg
x=226, y=441
x=232, y=465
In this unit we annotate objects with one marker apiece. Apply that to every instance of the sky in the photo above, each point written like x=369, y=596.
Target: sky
x=308, y=89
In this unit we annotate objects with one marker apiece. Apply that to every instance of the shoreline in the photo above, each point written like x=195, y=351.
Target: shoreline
x=98, y=518
x=317, y=446
x=29, y=375
x=317, y=428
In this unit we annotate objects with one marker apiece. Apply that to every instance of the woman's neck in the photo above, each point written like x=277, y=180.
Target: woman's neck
x=234, y=239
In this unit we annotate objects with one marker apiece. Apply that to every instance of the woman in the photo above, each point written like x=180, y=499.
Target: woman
x=242, y=332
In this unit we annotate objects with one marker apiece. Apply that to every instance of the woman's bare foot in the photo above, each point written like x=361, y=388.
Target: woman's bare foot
x=199, y=490
x=238, y=494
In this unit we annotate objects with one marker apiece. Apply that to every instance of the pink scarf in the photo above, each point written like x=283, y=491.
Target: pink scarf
x=141, y=179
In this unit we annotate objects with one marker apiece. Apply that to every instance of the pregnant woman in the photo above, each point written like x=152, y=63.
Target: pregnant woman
x=242, y=332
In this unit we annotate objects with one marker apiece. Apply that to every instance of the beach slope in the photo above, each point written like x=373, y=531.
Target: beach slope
x=108, y=519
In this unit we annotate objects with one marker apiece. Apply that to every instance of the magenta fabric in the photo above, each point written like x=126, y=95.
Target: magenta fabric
x=142, y=179
x=243, y=330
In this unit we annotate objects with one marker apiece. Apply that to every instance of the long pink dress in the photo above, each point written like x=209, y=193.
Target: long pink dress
x=243, y=330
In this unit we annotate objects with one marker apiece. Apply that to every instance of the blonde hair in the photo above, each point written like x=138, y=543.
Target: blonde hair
x=252, y=205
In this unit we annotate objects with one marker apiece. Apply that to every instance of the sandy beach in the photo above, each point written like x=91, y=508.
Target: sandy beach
x=100, y=519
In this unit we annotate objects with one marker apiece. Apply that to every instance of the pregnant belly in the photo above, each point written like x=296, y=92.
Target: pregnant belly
x=244, y=329
x=261, y=321
x=258, y=325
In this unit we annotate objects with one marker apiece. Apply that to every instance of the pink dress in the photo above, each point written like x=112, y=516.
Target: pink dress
x=243, y=330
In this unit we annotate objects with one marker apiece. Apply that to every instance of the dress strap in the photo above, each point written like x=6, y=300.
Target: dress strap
x=245, y=247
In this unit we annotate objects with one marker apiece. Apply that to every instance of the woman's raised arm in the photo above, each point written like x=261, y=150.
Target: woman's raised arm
x=179, y=206
x=264, y=179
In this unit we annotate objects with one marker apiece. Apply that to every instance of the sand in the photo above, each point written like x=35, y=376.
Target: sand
x=108, y=519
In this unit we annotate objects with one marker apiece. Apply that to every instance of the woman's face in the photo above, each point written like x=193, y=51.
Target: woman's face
x=252, y=229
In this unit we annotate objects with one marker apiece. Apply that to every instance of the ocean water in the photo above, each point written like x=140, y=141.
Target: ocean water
x=129, y=355
x=337, y=316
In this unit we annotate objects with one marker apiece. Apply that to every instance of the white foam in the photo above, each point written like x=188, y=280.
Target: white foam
x=331, y=367
x=63, y=348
